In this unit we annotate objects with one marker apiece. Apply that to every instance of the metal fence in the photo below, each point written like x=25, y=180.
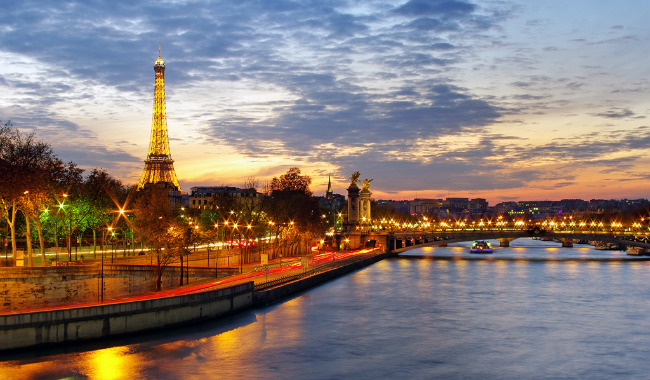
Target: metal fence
x=315, y=269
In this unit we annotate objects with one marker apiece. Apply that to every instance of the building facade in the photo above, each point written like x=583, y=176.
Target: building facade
x=203, y=197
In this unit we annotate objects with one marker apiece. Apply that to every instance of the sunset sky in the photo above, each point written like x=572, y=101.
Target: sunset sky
x=504, y=100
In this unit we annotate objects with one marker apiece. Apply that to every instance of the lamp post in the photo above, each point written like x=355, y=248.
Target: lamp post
x=249, y=250
x=112, y=234
x=62, y=211
x=223, y=232
x=241, y=253
x=101, y=289
x=216, y=255
x=196, y=230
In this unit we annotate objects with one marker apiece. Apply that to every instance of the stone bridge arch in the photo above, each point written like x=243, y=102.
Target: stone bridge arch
x=401, y=241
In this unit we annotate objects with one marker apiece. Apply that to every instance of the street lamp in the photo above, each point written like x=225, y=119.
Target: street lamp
x=223, y=232
x=241, y=253
x=101, y=289
x=112, y=234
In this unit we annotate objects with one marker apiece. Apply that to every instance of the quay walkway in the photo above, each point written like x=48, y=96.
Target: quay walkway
x=279, y=271
x=204, y=300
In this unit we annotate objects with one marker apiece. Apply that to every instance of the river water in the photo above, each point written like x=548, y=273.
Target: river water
x=533, y=311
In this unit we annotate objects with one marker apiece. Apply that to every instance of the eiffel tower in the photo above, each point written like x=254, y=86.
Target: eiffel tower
x=159, y=166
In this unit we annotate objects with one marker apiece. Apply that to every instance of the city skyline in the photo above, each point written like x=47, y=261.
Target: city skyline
x=502, y=100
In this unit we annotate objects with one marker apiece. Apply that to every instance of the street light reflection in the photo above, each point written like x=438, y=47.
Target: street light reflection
x=112, y=363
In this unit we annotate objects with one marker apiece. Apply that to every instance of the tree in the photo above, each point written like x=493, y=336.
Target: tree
x=28, y=168
x=72, y=208
x=291, y=181
x=159, y=226
x=13, y=182
x=104, y=194
x=294, y=214
x=32, y=204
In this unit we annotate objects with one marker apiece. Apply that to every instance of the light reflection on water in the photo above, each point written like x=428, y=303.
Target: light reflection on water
x=409, y=318
x=110, y=364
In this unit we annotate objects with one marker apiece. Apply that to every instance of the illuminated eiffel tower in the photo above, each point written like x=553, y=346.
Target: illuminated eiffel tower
x=159, y=166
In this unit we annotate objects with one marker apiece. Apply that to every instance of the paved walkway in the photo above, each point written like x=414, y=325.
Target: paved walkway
x=277, y=270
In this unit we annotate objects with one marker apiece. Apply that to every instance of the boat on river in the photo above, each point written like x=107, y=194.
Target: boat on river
x=634, y=251
x=606, y=246
x=481, y=246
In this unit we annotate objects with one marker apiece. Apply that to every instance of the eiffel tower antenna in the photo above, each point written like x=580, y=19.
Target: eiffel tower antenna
x=159, y=166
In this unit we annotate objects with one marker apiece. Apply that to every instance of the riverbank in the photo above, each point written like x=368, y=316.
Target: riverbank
x=267, y=295
x=63, y=326
x=181, y=306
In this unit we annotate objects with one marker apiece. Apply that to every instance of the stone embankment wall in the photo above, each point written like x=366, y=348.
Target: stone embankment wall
x=19, y=331
x=29, y=329
x=275, y=294
x=28, y=288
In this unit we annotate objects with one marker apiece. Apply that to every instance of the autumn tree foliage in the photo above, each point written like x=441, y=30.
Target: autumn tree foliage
x=295, y=214
x=291, y=182
x=158, y=225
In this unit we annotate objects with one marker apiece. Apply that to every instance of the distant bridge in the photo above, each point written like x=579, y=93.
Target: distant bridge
x=399, y=241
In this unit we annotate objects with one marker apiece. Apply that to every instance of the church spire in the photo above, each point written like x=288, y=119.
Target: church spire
x=329, y=194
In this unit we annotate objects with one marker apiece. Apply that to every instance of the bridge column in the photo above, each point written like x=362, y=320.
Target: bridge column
x=566, y=243
x=505, y=242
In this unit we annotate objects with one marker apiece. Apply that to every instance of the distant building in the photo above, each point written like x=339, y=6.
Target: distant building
x=458, y=207
x=611, y=205
x=535, y=208
x=438, y=207
x=603, y=205
x=422, y=206
x=477, y=205
x=333, y=204
x=456, y=204
x=329, y=194
x=504, y=208
x=573, y=205
x=399, y=206
x=202, y=197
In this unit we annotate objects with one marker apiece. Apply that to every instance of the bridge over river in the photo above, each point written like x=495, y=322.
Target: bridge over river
x=400, y=241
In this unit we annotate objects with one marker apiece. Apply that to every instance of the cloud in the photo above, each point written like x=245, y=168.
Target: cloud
x=616, y=114
x=348, y=118
x=432, y=25
x=420, y=89
x=443, y=9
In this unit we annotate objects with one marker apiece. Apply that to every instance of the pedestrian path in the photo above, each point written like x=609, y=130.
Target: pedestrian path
x=253, y=272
